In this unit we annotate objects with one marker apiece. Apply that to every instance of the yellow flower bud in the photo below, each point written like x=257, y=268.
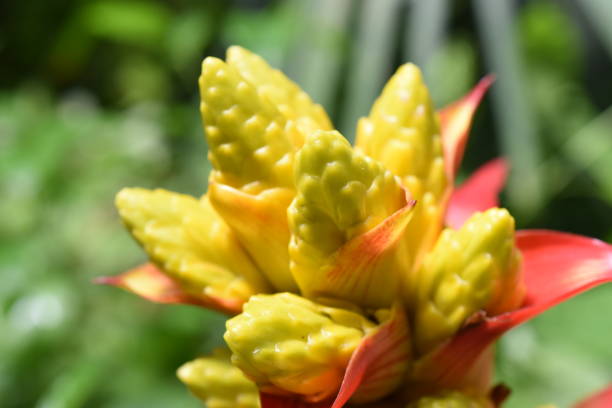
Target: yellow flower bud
x=218, y=383
x=190, y=242
x=247, y=135
x=403, y=133
x=290, y=343
x=471, y=269
x=341, y=194
x=402, y=130
x=452, y=399
x=273, y=85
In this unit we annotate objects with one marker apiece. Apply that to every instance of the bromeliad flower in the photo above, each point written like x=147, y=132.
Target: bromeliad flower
x=355, y=275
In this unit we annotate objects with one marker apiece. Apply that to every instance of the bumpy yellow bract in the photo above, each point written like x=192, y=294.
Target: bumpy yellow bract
x=468, y=270
x=218, y=383
x=190, y=242
x=341, y=194
x=340, y=234
x=294, y=344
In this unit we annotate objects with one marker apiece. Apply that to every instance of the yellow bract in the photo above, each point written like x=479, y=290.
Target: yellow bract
x=190, y=242
x=469, y=270
x=402, y=130
x=403, y=133
x=291, y=343
x=451, y=399
x=250, y=113
x=247, y=136
x=254, y=118
x=218, y=383
x=340, y=195
x=260, y=223
x=274, y=86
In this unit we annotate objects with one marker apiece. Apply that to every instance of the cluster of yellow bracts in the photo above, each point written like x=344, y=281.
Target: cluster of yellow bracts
x=315, y=245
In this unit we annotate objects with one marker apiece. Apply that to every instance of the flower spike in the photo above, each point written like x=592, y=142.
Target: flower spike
x=478, y=193
x=556, y=266
x=345, y=220
x=346, y=287
x=456, y=120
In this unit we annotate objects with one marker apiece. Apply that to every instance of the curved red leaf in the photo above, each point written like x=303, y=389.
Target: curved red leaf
x=478, y=193
x=382, y=357
x=456, y=120
x=380, y=360
x=557, y=266
x=602, y=399
x=151, y=283
x=358, y=269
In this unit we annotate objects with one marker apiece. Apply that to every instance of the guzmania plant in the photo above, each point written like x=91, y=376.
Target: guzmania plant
x=355, y=276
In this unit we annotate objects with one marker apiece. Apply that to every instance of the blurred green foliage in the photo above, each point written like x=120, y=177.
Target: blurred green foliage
x=97, y=95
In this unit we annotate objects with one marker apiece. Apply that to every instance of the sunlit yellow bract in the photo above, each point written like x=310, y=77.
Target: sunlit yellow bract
x=337, y=255
x=294, y=344
x=340, y=194
x=218, y=383
x=474, y=268
x=403, y=133
x=189, y=241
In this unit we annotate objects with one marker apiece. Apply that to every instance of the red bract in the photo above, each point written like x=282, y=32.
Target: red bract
x=149, y=282
x=478, y=193
x=602, y=399
x=456, y=121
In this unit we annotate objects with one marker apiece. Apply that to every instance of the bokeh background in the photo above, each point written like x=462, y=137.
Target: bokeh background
x=100, y=94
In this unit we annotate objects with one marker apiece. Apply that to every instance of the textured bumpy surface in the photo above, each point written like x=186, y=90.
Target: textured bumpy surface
x=190, y=242
x=291, y=343
x=255, y=119
x=402, y=132
x=340, y=195
x=218, y=383
x=471, y=269
x=273, y=85
x=248, y=138
x=293, y=210
x=451, y=400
